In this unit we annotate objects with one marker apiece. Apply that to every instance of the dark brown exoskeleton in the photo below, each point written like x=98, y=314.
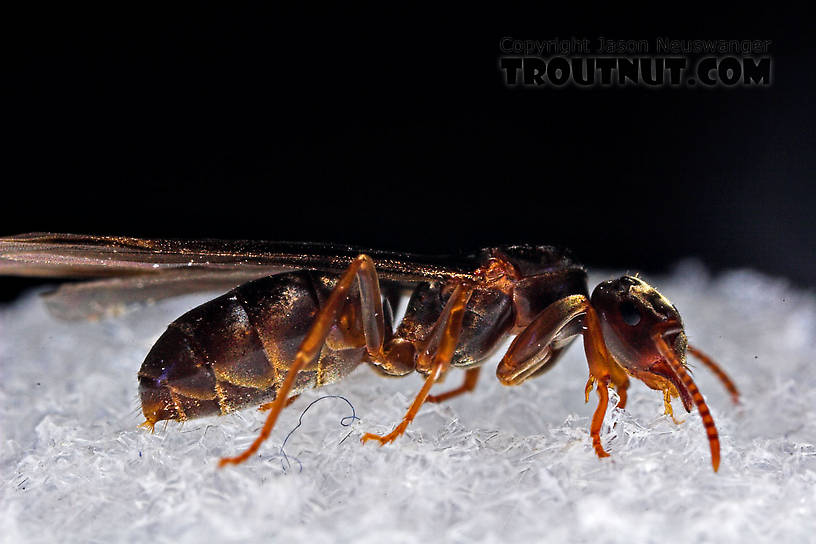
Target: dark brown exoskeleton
x=266, y=340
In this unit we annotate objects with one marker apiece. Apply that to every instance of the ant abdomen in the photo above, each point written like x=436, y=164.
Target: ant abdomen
x=234, y=351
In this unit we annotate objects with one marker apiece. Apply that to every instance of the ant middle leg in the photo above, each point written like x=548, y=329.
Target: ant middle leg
x=468, y=385
x=436, y=356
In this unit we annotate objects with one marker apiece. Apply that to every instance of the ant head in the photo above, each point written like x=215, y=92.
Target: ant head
x=633, y=315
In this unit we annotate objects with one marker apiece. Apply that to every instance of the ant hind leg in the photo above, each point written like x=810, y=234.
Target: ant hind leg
x=268, y=405
x=360, y=274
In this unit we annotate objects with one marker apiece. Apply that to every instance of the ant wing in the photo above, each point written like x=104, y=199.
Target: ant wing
x=150, y=269
x=111, y=296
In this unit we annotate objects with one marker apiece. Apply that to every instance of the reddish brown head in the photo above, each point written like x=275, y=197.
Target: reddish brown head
x=632, y=312
x=644, y=333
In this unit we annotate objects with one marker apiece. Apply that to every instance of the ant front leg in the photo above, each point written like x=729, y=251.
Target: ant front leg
x=538, y=346
x=542, y=341
x=667, y=407
x=605, y=370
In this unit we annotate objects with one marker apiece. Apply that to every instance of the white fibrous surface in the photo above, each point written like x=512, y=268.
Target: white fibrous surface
x=504, y=464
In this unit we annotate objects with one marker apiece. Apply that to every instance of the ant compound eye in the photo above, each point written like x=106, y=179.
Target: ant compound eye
x=629, y=313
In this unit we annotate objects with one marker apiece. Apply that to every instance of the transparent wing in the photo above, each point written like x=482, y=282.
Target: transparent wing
x=79, y=255
x=150, y=269
x=112, y=296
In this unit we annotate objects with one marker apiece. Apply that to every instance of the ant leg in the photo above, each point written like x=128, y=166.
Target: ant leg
x=437, y=356
x=538, y=345
x=667, y=406
x=412, y=411
x=719, y=372
x=598, y=416
x=360, y=272
x=606, y=372
x=534, y=350
x=471, y=378
x=590, y=385
x=268, y=406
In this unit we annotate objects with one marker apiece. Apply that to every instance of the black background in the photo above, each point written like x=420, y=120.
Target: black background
x=394, y=130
